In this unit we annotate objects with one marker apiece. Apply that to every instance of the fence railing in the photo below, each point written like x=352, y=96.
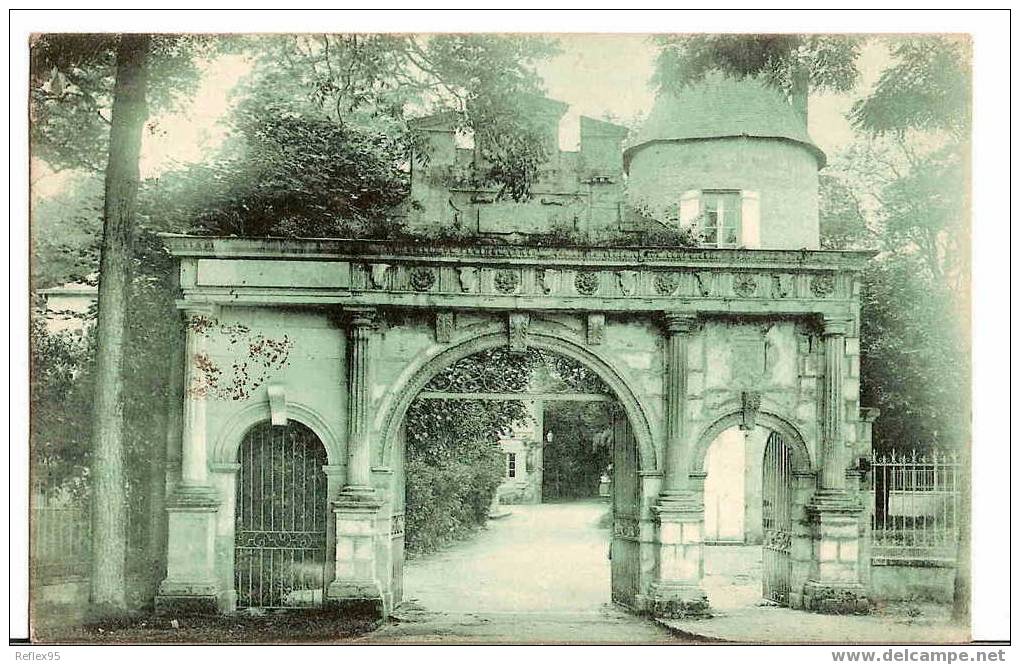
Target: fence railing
x=60, y=540
x=916, y=505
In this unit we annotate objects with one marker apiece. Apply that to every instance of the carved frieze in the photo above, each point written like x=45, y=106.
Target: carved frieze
x=548, y=280
x=468, y=279
x=628, y=281
x=666, y=283
x=586, y=282
x=703, y=281
x=422, y=279
x=745, y=285
x=377, y=274
x=782, y=285
x=506, y=281
x=823, y=286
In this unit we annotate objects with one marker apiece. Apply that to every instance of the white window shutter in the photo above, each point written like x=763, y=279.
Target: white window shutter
x=750, y=219
x=690, y=206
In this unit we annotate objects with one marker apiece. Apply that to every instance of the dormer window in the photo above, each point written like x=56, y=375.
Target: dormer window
x=726, y=218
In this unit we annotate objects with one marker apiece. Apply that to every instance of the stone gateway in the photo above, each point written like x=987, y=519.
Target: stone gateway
x=303, y=355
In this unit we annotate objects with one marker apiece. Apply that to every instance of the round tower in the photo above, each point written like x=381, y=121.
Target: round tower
x=731, y=159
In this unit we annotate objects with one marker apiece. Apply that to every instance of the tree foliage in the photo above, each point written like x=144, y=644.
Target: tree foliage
x=379, y=82
x=927, y=89
x=296, y=175
x=71, y=78
x=790, y=63
x=580, y=450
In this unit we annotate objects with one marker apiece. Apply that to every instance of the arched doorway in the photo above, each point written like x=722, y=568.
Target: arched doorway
x=281, y=517
x=527, y=384
x=755, y=490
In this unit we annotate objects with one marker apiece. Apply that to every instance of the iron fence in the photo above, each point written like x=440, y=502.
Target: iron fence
x=60, y=540
x=916, y=505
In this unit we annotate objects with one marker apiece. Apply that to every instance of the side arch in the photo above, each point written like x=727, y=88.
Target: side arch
x=234, y=429
x=417, y=377
x=791, y=435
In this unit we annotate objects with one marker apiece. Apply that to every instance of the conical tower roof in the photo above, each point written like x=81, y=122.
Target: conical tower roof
x=722, y=107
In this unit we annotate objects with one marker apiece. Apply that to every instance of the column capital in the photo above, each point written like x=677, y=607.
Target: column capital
x=359, y=317
x=190, y=308
x=680, y=322
x=836, y=325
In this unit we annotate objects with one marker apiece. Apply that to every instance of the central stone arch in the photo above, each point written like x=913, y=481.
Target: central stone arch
x=418, y=375
x=791, y=435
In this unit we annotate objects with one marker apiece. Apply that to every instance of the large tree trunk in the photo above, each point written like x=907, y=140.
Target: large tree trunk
x=107, y=466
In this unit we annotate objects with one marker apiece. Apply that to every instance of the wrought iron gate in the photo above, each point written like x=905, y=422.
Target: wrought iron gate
x=777, y=495
x=625, y=546
x=281, y=512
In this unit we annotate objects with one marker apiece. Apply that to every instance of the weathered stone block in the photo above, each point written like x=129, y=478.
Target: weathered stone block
x=828, y=550
x=848, y=550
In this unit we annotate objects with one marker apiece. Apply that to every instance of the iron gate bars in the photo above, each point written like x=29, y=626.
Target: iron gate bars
x=777, y=525
x=280, y=518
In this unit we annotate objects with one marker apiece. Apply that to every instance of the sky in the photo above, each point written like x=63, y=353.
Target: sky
x=596, y=74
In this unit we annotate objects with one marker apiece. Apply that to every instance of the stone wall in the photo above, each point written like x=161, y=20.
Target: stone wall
x=578, y=193
x=784, y=174
x=922, y=581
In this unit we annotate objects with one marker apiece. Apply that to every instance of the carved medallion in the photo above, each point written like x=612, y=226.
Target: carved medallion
x=506, y=281
x=628, y=281
x=823, y=286
x=423, y=279
x=666, y=283
x=468, y=278
x=586, y=283
x=744, y=286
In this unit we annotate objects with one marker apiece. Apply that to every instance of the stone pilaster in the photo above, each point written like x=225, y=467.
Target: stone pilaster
x=833, y=458
x=680, y=512
x=834, y=585
x=679, y=327
x=360, y=328
x=191, y=584
x=356, y=586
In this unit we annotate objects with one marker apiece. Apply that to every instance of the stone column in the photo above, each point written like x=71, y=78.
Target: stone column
x=832, y=449
x=191, y=584
x=360, y=325
x=679, y=327
x=834, y=584
x=356, y=587
x=680, y=513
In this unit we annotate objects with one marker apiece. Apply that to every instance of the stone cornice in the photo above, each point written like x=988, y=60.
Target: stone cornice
x=428, y=252
x=355, y=274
